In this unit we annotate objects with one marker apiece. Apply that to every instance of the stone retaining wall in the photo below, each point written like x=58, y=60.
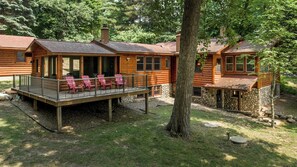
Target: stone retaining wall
x=264, y=94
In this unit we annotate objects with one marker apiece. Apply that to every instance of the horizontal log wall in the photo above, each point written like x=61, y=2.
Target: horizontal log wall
x=206, y=76
x=128, y=65
x=9, y=66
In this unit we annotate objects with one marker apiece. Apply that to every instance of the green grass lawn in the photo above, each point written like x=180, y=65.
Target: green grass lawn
x=143, y=142
x=5, y=85
x=289, y=85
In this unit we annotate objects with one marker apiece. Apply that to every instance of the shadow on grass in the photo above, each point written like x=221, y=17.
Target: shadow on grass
x=132, y=142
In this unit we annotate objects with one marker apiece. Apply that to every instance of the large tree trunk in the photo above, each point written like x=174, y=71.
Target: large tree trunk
x=179, y=124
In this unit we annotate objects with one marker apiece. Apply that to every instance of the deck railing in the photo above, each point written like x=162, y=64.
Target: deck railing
x=58, y=89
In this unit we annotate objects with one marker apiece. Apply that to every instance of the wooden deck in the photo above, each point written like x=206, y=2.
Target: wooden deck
x=57, y=98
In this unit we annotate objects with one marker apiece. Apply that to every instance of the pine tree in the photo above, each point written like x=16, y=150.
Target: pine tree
x=16, y=17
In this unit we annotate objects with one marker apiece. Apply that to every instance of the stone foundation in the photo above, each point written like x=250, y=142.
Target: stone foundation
x=207, y=98
x=264, y=94
x=251, y=101
x=166, y=90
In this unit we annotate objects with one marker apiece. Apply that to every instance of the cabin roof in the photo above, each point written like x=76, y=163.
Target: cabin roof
x=127, y=47
x=171, y=46
x=235, y=82
x=15, y=42
x=213, y=47
x=244, y=47
x=72, y=47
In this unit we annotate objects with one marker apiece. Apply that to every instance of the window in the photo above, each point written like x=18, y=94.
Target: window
x=229, y=63
x=239, y=63
x=196, y=91
x=157, y=63
x=250, y=64
x=71, y=66
x=167, y=62
x=234, y=93
x=149, y=63
x=20, y=57
x=140, y=63
x=197, y=66
x=218, y=65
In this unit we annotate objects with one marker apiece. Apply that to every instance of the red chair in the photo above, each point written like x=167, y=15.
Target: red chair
x=71, y=84
x=103, y=82
x=119, y=80
x=87, y=82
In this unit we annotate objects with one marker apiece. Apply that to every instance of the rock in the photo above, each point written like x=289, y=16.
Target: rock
x=266, y=120
x=295, y=118
x=266, y=109
x=290, y=120
x=211, y=125
x=282, y=117
x=238, y=139
x=289, y=116
x=4, y=96
x=260, y=119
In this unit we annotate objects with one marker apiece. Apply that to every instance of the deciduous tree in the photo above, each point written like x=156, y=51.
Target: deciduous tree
x=179, y=124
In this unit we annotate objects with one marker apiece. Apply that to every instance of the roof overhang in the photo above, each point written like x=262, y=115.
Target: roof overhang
x=239, y=83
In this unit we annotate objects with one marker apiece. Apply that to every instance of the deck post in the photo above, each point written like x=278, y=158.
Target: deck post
x=13, y=81
x=28, y=82
x=146, y=84
x=109, y=110
x=223, y=100
x=123, y=84
x=59, y=118
x=42, y=86
x=96, y=86
x=146, y=103
x=35, y=108
x=239, y=101
x=58, y=89
x=133, y=80
x=20, y=82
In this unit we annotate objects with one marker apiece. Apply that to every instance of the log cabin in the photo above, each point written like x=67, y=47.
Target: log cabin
x=231, y=77
x=158, y=62
x=14, y=59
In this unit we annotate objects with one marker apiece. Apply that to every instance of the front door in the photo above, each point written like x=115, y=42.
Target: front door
x=219, y=98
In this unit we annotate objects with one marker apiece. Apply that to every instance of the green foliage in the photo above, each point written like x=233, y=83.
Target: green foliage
x=16, y=17
x=289, y=85
x=137, y=34
x=61, y=20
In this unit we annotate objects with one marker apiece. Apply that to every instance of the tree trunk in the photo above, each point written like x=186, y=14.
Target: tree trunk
x=272, y=97
x=179, y=124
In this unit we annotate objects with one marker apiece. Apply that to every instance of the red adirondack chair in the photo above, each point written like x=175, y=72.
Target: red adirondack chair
x=103, y=82
x=87, y=82
x=119, y=80
x=71, y=84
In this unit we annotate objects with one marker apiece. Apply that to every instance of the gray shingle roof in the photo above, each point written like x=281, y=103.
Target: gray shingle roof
x=244, y=47
x=136, y=47
x=72, y=47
